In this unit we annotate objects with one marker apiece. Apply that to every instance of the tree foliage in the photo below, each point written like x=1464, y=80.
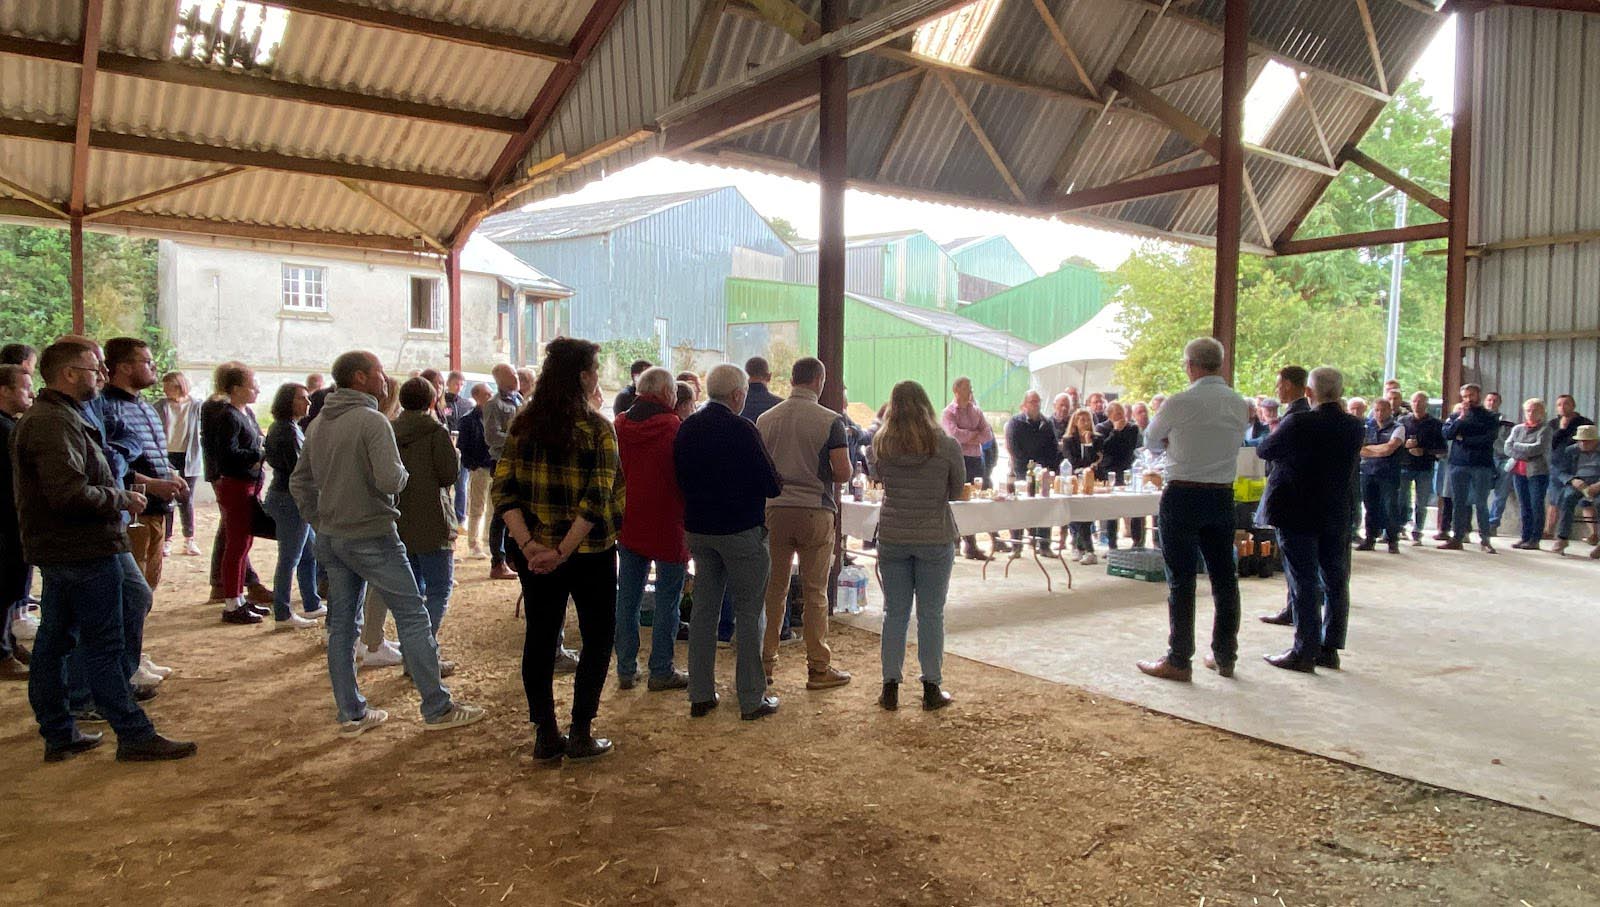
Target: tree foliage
x=1323, y=309
x=786, y=231
x=120, y=288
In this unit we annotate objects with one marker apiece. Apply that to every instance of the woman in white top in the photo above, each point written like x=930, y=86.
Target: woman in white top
x=180, y=417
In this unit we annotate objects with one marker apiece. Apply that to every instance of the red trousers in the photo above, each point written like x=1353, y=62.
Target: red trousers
x=235, y=497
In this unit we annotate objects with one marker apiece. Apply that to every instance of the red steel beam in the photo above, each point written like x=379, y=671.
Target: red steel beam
x=452, y=273
x=1413, y=233
x=833, y=122
x=75, y=275
x=82, y=127
x=1455, y=292
x=1146, y=187
x=1230, y=182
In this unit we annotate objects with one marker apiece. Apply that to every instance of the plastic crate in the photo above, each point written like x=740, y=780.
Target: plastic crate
x=1137, y=563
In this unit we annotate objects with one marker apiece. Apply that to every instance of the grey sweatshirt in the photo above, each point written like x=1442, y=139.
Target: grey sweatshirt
x=1532, y=445
x=349, y=469
x=917, y=491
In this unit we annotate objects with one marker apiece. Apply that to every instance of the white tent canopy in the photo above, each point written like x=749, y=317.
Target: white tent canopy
x=1082, y=359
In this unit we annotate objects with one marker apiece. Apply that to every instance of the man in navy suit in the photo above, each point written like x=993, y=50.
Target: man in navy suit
x=1307, y=498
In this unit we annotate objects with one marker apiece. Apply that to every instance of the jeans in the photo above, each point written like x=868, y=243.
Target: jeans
x=1379, y=496
x=83, y=612
x=1196, y=523
x=297, y=556
x=922, y=572
x=1469, y=490
x=1531, y=491
x=13, y=589
x=737, y=564
x=497, y=539
x=461, y=496
x=183, y=509
x=435, y=572
x=632, y=572
x=590, y=580
x=1420, y=483
x=1500, y=493
x=1082, y=536
x=1567, y=504
x=1108, y=532
x=134, y=599
x=1316, y=566
x=352, y=564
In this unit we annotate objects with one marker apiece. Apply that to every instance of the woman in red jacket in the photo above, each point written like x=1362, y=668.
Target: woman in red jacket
x=652, y=531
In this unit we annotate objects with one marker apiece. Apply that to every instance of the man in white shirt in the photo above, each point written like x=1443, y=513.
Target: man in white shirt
x=1201, y=430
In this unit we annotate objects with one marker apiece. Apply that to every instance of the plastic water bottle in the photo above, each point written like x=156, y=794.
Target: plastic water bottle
x=852, y=590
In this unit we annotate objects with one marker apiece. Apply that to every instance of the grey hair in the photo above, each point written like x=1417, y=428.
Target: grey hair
x=656, y=382
x=1204, y=353
x=724, y=381
x=1327, y=384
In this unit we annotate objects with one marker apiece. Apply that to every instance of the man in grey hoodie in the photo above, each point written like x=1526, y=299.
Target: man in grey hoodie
x=345, y=486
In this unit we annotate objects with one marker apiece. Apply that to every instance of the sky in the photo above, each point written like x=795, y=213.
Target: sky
x=1044, y=243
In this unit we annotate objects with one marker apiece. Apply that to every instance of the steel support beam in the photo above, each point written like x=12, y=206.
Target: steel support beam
x=377, y=17
x=1414, y=233
x=1148, y=187
x=82, y=131
x=1455, y=294
x=452, y=275
x=833, y=123
x=1230, y=182
x=75, y=275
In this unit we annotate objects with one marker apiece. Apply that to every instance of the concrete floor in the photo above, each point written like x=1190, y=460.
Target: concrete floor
x=1467, y=671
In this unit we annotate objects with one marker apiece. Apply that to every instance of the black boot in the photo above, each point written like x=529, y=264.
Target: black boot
x=933, y=697
x=890, y=697
x=581, y=744
x=549, y=744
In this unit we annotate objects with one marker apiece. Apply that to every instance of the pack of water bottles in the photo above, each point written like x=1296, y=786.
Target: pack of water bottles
x=851, y=597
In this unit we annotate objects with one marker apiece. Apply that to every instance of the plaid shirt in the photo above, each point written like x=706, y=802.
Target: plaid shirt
x=552, y=493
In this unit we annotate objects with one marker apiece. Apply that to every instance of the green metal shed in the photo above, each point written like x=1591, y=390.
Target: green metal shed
x=1044, y=310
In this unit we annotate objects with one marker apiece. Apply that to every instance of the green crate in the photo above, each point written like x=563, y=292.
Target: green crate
x=1149, y=576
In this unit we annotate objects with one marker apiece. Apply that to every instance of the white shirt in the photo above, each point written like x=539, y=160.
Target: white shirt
x=1201, y=430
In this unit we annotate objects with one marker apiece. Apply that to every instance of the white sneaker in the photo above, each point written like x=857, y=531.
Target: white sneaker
x=353, y=729
x=26, y=626
x=1089, y=560
x=386, y=656
x=145, y=679
x=152, y=667
x=460, y=715
x=477, y=553
x=293, y=622
x=190, y=548
x=321, y=611
x=166, y=549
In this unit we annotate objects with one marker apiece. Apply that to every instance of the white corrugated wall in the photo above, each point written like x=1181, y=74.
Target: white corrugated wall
x=1533, y=314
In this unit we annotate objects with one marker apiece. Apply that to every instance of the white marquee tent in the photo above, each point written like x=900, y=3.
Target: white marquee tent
x=1082, y=359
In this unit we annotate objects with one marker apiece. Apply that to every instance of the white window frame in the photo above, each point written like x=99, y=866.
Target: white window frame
x=299, y=298
x=436, y=305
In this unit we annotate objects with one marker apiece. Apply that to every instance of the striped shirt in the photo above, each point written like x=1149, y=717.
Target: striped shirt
x=553, y=491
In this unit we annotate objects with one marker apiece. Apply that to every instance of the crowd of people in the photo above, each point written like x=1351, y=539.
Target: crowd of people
x=718, y=497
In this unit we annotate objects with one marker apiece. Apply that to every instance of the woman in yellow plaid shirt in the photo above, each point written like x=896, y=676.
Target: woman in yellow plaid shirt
x=558, y=486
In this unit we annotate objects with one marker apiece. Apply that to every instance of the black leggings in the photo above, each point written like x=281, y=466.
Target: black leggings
x=591, y=581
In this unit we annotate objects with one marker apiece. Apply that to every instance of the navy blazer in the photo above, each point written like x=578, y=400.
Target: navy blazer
x=1313, y=454
x=724, y=472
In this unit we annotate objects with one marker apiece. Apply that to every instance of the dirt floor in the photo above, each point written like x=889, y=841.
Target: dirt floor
x=1024, y=792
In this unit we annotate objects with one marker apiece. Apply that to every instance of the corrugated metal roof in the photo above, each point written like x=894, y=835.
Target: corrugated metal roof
x=996, y=342
x=483, y=256
x=583, y=220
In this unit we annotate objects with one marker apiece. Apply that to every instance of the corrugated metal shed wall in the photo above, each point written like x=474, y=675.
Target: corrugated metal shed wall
x=883, y=349
x=994, y=259
x=863, y=269
x=926, y=276
x=672, y=265
x=1536, y=172
x=1043, y=311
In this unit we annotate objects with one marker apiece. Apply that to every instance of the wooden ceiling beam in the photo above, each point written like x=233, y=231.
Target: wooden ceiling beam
x=1434, y=203
x=900, y=128
x=83, y=123
x=1372, y=45
x=180, y=73
x=1134, y=189
x=787, y=18
x=164, y=191
x=238, y=157
x=982, y=136
x=1065, y=45
x=1413, y=233
x=1316, y=122
x=416, y=228
x=929, y=64
x=33, y=198
x=1067, y=161
x=437, y=29
x=705, y=31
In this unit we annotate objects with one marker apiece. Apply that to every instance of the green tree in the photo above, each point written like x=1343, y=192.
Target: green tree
x=1079, y=261
x=786, y=230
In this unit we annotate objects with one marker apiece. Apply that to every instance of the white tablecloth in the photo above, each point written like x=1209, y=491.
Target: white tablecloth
x=861, y=520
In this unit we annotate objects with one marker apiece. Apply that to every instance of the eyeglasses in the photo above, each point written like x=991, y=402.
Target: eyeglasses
x=97, y=369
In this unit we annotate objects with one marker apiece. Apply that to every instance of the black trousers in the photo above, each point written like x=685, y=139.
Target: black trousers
x=1197, y=524
x=591, y=582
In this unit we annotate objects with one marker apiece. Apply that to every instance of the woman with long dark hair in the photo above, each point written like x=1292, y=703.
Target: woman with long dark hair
x=296, y=540
x=231, y=439
x=558, y=486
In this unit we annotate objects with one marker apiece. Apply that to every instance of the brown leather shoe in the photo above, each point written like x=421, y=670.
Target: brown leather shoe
x=1165, y=670
x=501, y=571
x=1452, y=545
x=826, y=679
x=258, y=594
x=12, y=669
x=1281, y=619
x=1290, y=661
x=217, y=597
x=1223, y=668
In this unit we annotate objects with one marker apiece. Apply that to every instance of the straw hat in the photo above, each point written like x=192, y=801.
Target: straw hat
x=1586, y=433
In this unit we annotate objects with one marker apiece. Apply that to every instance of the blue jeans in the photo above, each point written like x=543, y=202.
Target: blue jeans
x=435, y=572
x=461, y=496
x=1420, y=481
x=1469, y=489
x=380, y=561
x=632, y=571
x=1500, y=493
x=1316, y=566
x=1531, y=491
x=923, y=572
x=135, y=601
x=738, y=564
x=83, y=612
x=1568, y=501
x=1379, y=496
x=1197, y=523
x=297, y=556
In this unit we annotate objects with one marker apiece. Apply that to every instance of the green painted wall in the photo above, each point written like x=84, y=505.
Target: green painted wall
x=880, y=350
x=917, y=272
x=1043, y=311
x=995, y=259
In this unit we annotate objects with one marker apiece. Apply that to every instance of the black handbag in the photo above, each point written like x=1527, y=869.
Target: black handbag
x=262, y=525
